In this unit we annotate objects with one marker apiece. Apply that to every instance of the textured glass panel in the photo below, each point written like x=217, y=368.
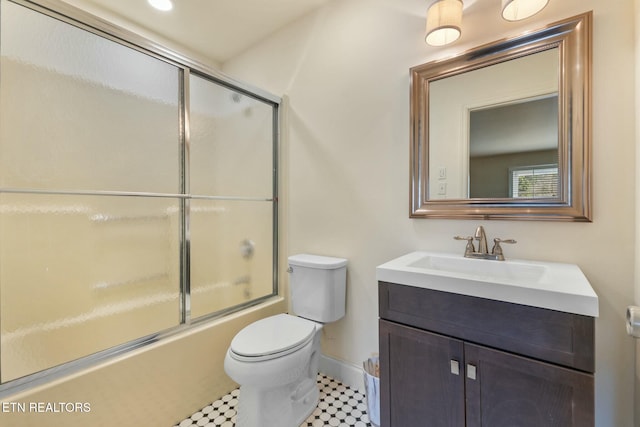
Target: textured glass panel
x=78, y=111
x=231, y=253
x=80, y=274
x=231, y=142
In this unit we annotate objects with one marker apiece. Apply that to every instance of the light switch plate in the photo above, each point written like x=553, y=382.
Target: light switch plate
x=442, y=173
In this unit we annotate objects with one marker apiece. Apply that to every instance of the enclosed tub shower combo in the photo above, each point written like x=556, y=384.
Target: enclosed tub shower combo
x=138, y=192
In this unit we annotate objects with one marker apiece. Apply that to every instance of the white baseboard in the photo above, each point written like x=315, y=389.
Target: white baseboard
x=345, y=372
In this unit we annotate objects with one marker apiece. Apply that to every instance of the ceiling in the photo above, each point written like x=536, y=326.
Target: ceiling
x=216, y=29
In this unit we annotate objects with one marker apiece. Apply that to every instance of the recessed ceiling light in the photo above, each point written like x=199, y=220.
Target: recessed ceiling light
x=164, y=5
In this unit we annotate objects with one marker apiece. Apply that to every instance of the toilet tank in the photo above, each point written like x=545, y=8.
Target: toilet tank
x=318, y=286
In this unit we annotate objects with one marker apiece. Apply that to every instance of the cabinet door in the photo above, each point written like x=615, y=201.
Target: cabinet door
x=510, y=390
x=419, y=386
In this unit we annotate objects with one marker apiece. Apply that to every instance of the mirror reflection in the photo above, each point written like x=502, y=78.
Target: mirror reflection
x=513, y=150
x=493, y=131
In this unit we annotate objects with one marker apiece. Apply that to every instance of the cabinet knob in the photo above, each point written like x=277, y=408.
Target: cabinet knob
x=471, y=371
x=455, y=367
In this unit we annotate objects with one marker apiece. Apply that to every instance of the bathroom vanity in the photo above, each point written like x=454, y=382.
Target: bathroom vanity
x=468, y=342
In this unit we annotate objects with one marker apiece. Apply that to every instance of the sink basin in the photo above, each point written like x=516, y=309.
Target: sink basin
x=555, y=286
x=478, y=268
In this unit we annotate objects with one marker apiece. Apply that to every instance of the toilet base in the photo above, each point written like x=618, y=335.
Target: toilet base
x=284, y=406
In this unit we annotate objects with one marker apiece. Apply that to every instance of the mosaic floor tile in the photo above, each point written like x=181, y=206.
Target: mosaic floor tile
x=339, y=406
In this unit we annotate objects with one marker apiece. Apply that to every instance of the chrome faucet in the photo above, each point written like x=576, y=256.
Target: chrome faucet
x=481, y=237
x=483, y=249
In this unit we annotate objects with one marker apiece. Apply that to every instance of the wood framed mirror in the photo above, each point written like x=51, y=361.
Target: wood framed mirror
x=503, y=131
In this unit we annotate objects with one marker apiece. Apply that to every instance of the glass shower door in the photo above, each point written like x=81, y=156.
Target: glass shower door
x=232, y=203
x=137, y=193
x=89, y=171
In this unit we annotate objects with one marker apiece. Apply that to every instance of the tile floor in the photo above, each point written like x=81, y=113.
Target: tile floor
x=339, y=406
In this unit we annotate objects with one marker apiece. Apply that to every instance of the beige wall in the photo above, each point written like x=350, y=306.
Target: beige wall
x=345, y=71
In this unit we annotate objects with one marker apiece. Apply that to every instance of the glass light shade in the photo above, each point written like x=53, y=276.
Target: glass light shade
x=444, y=19
x=164, y=5
x=515, y=10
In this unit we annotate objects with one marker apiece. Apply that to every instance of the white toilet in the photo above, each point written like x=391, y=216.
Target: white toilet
x=275, y=360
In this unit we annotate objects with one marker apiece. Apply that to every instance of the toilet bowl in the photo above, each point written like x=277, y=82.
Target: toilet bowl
x=275, y=359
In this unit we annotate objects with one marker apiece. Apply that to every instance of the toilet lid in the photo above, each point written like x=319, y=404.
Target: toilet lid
x=272, y=335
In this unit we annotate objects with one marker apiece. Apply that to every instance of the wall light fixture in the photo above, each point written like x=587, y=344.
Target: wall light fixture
x=515, y=10
x=163, y=5
x=444, y=17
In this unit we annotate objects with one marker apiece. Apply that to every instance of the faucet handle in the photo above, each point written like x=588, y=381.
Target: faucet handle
x=497, y=249
x=469, y=249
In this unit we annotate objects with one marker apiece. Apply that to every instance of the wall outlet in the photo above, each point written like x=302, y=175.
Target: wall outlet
x=442, y=188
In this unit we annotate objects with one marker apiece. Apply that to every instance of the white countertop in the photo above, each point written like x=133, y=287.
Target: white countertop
x=555, y=286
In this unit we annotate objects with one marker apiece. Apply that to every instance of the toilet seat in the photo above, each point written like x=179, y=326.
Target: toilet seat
x=272, y=337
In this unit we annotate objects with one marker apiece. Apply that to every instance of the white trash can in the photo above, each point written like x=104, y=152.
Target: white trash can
x=371, y=373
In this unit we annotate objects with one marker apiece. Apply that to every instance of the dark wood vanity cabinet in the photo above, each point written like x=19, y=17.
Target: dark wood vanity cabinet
x=455, y=360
